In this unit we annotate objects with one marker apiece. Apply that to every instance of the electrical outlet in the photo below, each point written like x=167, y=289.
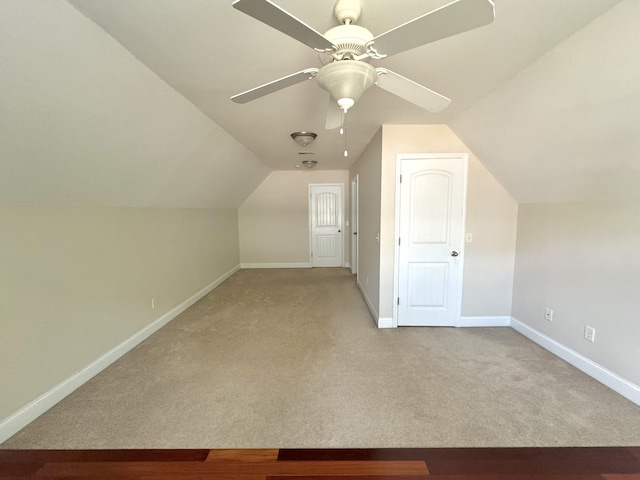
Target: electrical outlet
x=590, y=333
x=153, y=302
x=548, y=314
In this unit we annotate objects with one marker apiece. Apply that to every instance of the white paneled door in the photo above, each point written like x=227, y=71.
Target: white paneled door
x=432, y=199
x=326, y=225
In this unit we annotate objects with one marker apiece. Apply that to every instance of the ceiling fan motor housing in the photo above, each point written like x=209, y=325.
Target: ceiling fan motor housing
x=351, y=40
x=347, y=10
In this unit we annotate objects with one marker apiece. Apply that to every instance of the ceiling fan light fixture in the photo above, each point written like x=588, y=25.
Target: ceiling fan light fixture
x=346, y=80
x=345, y=104
x=304, y=138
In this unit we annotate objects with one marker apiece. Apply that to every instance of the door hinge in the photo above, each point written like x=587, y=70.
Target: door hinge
x=398, y=300
x=400, y=178
x=399, y=241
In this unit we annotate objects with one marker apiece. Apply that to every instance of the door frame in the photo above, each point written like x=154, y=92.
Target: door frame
x=310, y=215
x=396, y=259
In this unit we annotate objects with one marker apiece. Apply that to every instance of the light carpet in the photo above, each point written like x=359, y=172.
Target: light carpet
x=292, y=359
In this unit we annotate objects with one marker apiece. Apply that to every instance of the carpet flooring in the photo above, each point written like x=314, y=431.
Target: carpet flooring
x=292, y=359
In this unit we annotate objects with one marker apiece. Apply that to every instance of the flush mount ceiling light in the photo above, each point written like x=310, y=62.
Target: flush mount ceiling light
x=309, y=163
x=304, y=138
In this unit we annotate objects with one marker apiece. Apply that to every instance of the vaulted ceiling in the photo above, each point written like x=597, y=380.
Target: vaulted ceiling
x=126, y=102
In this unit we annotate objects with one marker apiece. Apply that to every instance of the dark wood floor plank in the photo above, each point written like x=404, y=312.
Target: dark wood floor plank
x=635, y=451
x=172, y=476
x=545, y=461
x=559, y=476
x=607, y=463
x=16, y=469
x=152, y=455
x=246, y=455
x=214, y=468
x=352, y=454
x=351, y=477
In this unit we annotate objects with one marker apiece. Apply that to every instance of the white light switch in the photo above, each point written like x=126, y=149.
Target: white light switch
x=469, y=237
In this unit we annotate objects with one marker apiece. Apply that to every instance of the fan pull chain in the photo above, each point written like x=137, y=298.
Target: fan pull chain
x=343, y=131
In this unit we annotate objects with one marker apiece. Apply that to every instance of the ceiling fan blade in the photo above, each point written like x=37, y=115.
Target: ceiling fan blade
x=334, y=115
x=455, y=17
x=268, y=12
x=276, y=85
x=411, y=91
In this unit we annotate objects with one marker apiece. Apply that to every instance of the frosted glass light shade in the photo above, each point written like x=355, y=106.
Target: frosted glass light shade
x=346, y=79
x=304, y=138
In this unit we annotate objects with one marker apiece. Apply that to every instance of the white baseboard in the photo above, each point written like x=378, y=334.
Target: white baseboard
x=367, y=300
x=275, y=265
x=381, y=322
x=386, y=322
x=616, y=383
x=18, y=420
x=484, y=321
x=347, y=265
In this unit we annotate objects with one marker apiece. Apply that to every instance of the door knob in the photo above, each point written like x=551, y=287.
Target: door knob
x=454, y=254
x=355, y=233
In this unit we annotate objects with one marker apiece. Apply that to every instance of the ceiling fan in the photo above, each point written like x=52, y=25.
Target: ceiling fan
x=351, y=47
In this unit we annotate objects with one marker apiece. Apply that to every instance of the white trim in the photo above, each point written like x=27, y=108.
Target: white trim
x=386, y=322
x=485, y=321
x=18, y=420
x=381, y=322
x=275, y=265
x=347, y=265
x=367, y=300
x=616, y=383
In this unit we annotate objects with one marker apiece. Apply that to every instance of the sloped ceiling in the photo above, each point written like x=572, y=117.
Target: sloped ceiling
x=209, y=51
x=82, y=122
x=567, y=128
x=134, y=109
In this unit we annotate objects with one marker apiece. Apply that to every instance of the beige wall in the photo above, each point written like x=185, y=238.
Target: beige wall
x=582, y=260
x=491, y=218
x=76, y=282
x=368, y=169
x=274, y=219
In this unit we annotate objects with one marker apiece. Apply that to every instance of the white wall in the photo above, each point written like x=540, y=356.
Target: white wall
x=581, y=260
x=274, y=219
x=76, y=282
x=368, y=168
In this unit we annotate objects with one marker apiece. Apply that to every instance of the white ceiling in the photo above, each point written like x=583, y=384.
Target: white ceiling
x=208, y=51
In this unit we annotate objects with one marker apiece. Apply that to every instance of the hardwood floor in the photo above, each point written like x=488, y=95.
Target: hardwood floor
x=606, y=463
